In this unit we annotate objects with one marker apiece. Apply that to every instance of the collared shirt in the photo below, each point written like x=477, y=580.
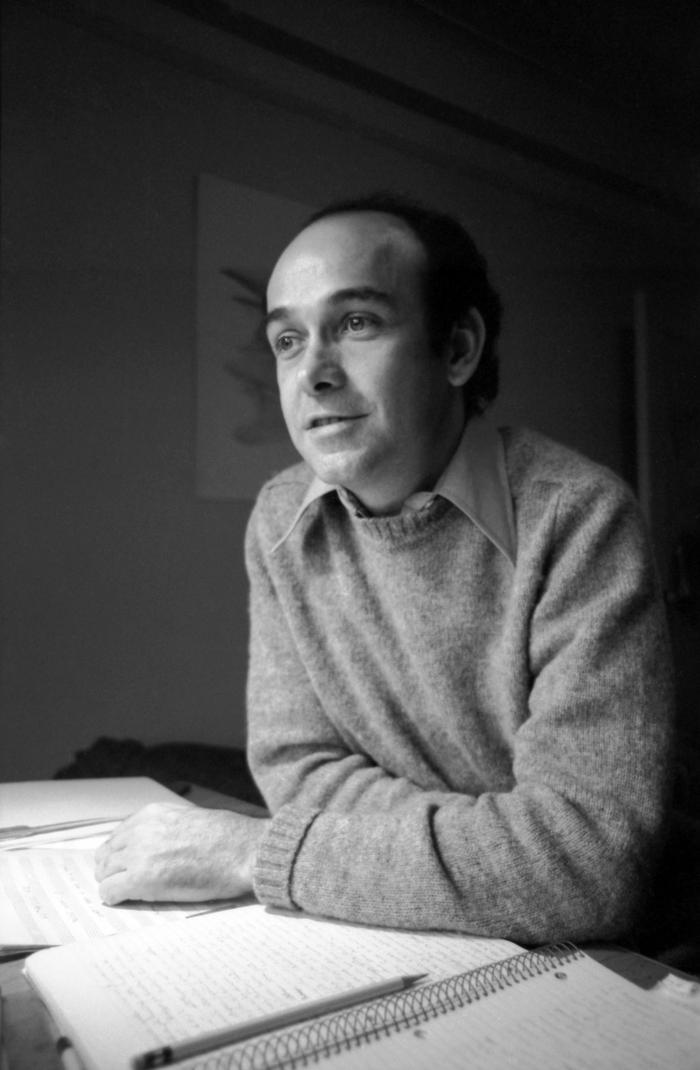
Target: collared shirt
x=475, y=481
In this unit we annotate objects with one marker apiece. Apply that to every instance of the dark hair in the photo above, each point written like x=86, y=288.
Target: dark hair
x=455, y=280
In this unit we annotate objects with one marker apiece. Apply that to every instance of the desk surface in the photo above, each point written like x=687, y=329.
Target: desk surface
x=27, y=1040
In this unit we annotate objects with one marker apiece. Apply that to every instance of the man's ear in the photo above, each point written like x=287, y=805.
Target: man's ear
x=465, y=346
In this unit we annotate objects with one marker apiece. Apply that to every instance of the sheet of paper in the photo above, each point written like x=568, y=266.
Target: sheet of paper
x=48, y=801
x=50, y=896
x=76, y=837
x=172, y=983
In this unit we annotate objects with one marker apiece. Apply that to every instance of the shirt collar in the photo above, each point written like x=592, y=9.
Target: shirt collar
x=475, y=481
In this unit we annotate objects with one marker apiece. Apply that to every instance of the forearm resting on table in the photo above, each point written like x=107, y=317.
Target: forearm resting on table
x=176, y=852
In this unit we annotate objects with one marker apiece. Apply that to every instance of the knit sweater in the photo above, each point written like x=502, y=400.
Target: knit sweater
x=450, y=740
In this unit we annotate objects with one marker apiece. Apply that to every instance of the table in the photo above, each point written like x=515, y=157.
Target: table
x=27, y=1039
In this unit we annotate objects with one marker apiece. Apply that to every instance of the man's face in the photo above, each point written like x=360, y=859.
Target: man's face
x=366, y=402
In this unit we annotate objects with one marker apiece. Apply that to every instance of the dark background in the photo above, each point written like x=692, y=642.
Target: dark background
x=565, y=136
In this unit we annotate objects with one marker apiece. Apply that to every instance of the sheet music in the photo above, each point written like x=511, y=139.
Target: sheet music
x=50, y=896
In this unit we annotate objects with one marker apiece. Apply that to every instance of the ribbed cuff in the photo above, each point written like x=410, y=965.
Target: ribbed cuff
x=274, y=865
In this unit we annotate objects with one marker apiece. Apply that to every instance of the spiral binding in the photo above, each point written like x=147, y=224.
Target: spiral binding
x=360, y=1025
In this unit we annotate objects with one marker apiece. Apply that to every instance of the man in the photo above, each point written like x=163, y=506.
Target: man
x=459, y=698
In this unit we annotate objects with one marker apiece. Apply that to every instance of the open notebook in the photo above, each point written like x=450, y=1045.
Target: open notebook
x=484, y=1003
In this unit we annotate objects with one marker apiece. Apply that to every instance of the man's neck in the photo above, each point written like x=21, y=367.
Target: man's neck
x=380, y=501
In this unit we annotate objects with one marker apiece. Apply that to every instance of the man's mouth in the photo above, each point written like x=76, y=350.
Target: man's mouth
x=326, y=421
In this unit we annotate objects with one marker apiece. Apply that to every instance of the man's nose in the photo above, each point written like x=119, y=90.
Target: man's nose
x=320, y=370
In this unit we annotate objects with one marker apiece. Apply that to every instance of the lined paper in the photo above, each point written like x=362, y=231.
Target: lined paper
x=582, y=1017
x=172, y=983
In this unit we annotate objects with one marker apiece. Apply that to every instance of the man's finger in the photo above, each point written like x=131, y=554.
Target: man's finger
x=109, y=861
x=115, y=889
x=112, y=843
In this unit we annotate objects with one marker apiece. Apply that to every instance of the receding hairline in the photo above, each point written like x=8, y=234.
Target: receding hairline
x=395, y=227
x=392, y=225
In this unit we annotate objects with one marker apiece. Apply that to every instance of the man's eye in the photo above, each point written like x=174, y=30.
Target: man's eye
x=358, y=323
x=283, y=344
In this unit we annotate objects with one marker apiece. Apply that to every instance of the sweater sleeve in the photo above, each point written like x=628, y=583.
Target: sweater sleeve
x=567, y=851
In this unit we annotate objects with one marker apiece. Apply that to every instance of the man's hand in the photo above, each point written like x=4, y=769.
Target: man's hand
x=179, y=852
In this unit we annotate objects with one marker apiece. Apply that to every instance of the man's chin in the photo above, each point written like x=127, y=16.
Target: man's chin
x=340, y=468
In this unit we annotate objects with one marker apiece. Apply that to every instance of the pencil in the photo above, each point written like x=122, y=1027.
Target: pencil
x=219, y=1038
x=15, y=832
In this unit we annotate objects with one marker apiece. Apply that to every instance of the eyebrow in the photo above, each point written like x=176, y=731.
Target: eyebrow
x=350, y=293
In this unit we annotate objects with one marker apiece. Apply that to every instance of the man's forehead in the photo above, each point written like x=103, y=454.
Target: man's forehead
x=351, y=243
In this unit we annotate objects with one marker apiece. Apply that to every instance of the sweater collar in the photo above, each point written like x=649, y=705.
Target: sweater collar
x=475, y=481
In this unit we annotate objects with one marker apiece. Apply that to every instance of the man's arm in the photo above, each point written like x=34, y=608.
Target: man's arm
x=567, y=851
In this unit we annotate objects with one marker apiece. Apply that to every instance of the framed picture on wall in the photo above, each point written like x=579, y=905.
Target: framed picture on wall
x=241, y=437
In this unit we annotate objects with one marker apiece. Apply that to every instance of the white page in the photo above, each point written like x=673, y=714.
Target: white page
x=75, y=837
x=46, y=802
x=158, y=986
x=40, y=802
x=580, y=1017
x=50, y=896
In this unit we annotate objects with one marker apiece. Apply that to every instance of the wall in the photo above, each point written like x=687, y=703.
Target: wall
x=125, y=595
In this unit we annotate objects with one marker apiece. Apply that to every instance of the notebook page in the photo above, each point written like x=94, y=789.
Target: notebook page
x=175, y=982
x=579, y=1017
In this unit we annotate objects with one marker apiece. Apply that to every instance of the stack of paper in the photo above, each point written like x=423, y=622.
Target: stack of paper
x=48, y=892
